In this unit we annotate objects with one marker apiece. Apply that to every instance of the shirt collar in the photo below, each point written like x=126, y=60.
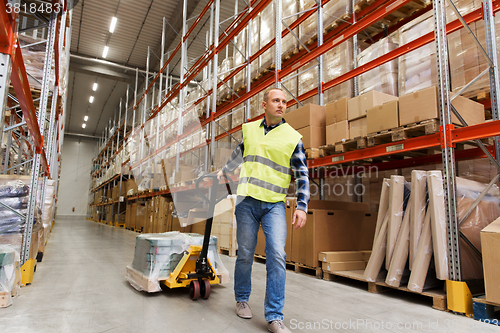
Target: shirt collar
x=273, y=126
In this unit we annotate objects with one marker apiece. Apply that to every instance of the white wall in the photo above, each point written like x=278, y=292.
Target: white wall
x=76, y=162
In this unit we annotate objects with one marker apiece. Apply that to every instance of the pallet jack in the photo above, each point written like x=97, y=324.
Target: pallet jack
x=199, y=275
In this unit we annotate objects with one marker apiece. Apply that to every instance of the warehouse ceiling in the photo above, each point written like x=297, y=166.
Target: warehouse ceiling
x=139, y=25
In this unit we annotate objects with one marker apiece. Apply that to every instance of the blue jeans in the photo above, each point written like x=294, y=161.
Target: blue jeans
x=250, y=213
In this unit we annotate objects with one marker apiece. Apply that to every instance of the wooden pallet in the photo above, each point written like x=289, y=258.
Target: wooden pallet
x=486, y=311
x=344, y=146
x=406, y=11
x=337, y=22
x=477, y=95
x=120, y=225
x=438, y=295
x=426, y=127
x=228, y=251
x=312, y=153
x=290, y=54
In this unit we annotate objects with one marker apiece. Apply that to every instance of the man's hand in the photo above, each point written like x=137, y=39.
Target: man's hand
x=220, y=175
x=299, y=219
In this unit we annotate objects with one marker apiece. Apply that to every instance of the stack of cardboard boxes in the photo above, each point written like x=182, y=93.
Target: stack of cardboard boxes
x=309, y=121
x=331, y=226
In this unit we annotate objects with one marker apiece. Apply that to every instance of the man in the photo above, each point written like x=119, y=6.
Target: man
x=269, y=151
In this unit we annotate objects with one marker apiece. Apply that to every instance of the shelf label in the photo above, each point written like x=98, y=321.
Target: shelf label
x=337, y=158
x=395, y=148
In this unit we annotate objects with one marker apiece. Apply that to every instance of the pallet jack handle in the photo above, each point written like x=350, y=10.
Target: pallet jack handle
x=212, y=200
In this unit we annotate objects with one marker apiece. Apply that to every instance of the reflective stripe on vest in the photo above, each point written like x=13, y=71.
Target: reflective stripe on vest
x=266, y=174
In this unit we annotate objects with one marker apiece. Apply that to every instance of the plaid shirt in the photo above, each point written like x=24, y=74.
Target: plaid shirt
x=297, y=162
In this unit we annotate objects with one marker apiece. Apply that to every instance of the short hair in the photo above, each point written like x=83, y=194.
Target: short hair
x=266, y=93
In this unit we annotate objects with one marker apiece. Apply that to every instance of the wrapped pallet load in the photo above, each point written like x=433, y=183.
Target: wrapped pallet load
x=10, y=275
x=383, y=78
x=338, y=61
x=268, y=32
x=157, y=255
x=224, y=92
x=333, y=12
x=417, y=69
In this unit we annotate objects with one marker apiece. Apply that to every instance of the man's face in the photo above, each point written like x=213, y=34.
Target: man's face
x=275, y=105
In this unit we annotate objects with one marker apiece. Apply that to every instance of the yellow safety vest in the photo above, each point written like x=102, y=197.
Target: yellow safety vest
x=265, y=174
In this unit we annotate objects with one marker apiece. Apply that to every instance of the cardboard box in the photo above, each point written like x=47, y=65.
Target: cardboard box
x=357, y=128
x=339, y=205
x=340, y=256
x=357, y=106
x=141, y=217
x=337, y=132
x=336, y=111
x=490, y=245
x=308, y=115
x=313, y=136
x=130, y=187
x=332, y=230
x=366, y=255
x=291, y=205
x=422, y=105
x=343, y=266
x=382, y=117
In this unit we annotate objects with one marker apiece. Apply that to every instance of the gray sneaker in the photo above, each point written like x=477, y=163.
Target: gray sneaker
x=277, y=326
x=243, y=310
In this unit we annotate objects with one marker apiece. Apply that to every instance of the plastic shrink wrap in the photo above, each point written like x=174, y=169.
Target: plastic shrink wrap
x=383, y=78
x=336, y=62
x=268, y=32
x=417, y=69
x=10, y=275
x=157, y=255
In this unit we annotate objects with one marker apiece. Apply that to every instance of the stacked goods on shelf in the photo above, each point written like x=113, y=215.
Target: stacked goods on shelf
x=309, y=121
x=383, y=78
x=382, y=117
x=225, y=90
x=357, y=108
x=336, y=62
x=490, y=240
x=15, y=194
x=466, y=59
x=33, y=51
x=10, y=275
x=422, y=105
x=337, y=126
x=333, y=12
x=417, y=69
x=268, y=32
x=412, y=231
x=157, y=255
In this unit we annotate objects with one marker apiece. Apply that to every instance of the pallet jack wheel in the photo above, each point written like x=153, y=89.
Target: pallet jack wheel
x=206, y=288
x=194, y=290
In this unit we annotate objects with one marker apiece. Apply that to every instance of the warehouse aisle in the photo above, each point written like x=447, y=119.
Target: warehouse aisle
x=80, y=287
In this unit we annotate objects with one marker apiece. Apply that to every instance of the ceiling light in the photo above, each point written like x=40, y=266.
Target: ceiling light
x=84, y=125
x=91, y=100
x=105, y=52
x=113, y=24
x=85, y=118
x=94, y=87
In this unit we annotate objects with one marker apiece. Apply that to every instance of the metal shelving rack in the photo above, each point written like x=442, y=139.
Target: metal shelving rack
x=35, y=139
x=373, y=12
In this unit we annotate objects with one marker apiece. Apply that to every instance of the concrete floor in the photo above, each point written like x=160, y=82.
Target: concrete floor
x=80, y=287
